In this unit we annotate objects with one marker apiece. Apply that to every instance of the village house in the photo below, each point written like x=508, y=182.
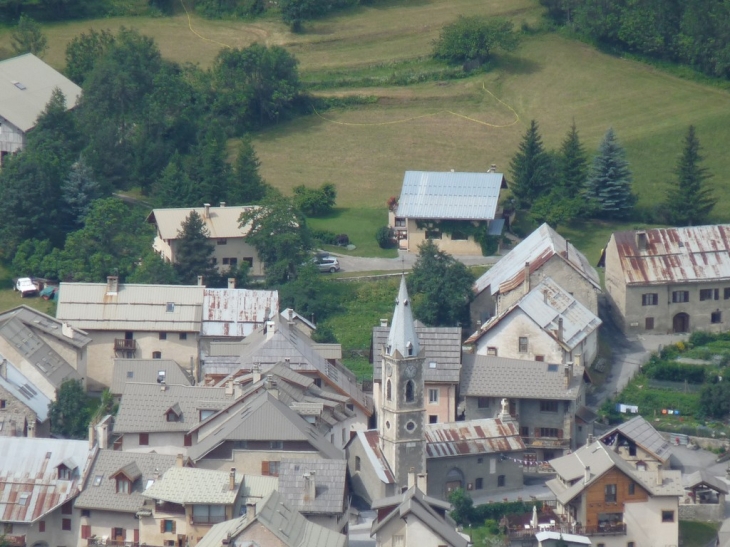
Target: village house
x=442, y=364
x=544, y=253
x=273, y=523
x=133, y=321
x=669, y=280
x=602, y=496
x=224, y=230
x=39, y=480
x=235, y=313
x=413, y=518
x=547, y=324
x=638, y=443
x=26, y=89
x=147, y=371
x=454, y=210
x=23, y=407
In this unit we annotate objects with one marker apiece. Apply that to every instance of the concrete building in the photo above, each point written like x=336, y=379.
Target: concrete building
x=669, y=280
x=638, y=443
x=27, y=86
x=546, y=400
x=133, y=321
x=223, y=226
x=39, y=480
x=441, y=367
x=547, y=324
x=602, y=496
x=448, y=208
x=544, y=253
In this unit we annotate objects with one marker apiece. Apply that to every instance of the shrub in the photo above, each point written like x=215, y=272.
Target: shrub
x=384, y=237
x=342, y=240
x=474, y=39
x=315, y=202
x=701, y=338
x=324, y=237
x=675, y=372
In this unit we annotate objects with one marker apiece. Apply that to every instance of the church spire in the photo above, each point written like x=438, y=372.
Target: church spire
x=402, y=337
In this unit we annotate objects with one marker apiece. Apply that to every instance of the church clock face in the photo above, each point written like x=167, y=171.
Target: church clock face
x=389, y=369
x=410, y=371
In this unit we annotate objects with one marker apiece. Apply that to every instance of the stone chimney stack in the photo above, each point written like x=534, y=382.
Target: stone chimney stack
x=526, y=281
x=270, y=329
x=200, y=281
x=231, y=282
x=67, y=331
x=206, y=214
x=568, y=374
x=179, y=461
x=223, y=204
x=112, y=284
x=290, y=316
x=256, y=371
x=31, y=430
x=310, y=487
x=560, y=329
x=232, y=479
x=92, y=436
x=250, y=511
x=422, y=482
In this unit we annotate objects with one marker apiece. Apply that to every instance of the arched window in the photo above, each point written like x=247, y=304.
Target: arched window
x=388, y=391
x=410, y=388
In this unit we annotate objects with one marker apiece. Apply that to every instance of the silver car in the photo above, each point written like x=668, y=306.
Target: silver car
x=327, y=264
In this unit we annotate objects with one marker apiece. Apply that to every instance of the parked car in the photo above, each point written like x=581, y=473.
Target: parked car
x=327, y=263
x=26, y=287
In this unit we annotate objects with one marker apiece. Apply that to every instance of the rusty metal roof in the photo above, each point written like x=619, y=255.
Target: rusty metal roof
x=29, y=483
x=237, y=312
x=675, y=255
x=485, y=436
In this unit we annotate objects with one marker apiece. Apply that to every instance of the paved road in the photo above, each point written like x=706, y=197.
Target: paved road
x=404, y=261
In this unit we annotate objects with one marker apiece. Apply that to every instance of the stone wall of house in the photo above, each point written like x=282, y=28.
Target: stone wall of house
x=702, y=511
x=442, y=473
x=14, y=415
x=364, y=480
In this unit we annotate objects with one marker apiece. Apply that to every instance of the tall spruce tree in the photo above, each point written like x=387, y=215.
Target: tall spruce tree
x=574, y=164
x=247, y=185
x=690, y=200
x=609, y=182
x=194, y=250
x=532, y=175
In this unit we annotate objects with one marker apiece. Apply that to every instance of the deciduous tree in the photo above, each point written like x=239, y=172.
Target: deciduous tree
x=69, y=413
x=609, y=183
x=474, y=38
x=28, y=37
x=84, y=50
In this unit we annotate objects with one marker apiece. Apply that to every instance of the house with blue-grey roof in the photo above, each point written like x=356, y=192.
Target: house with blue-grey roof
x=454, y=210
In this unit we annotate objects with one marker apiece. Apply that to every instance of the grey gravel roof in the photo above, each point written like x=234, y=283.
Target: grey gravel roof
x=329, y=480
x=643, y=434
x=441, y=345
x=105, y=497
x=450, y=195
x=146, y=371
x=143, y=407
x=21, y=106
x=490, y=376
x=185, y=485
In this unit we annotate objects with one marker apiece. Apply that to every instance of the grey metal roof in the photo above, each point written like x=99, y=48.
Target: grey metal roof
x=133, y=307
x=37, y=353
x=369, y=440
x=22, y=389
x=546, y=304
x=537, y=248
x=143, y=407
x=26, y=86
x=104, y=496
x=485, y=436
x=449, y=195
x=329, y=479
x=30, y=466
x=643, y=434
x=36, y=320
x=442, y=352
x=257, y=487
x=490, y=376
x=237, y=312
x=187, y=485
x=704, y=477
x=221, y=222
x=146, y=371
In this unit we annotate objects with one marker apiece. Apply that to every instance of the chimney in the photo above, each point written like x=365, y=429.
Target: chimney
x=67, y=331
x=250, y=511
x=231, y=282
x=568, y=374
x=206, y=214
x=200, y=281
x=590, y=439
x=587, y=476
x=92, y=436
x=492, y=168
x=659, y=475
x=641, y=240
x=256, y=371
x=163, y=386
x=452, y=170
x=31, y=429
x=229, y=388
x=545, y=295
x=383, y=322
x=526, y=281
x=290, y=316
x=567, y=246
x=112, y=284
x=560, y=329
x=270, y=329
x=422, y=482
x=237, y=390
x=179, y=461
x=223, y=204
x=310, y=487
x=270, y=385
x=102, y=432
x=232, y=479
x=411, y=477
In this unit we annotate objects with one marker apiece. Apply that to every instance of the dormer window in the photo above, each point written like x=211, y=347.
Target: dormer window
x=174, y=413
x=409, y=346
x=66, y=470
x=172, y=417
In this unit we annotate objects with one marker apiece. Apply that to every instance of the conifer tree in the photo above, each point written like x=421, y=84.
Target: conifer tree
x=532, y=175
x=689, y=200
x=246, y=186
x=574, y=163
x=79, y=190
x=609, y=182
x=174, y=187
x=194, y=250
x=208, y=169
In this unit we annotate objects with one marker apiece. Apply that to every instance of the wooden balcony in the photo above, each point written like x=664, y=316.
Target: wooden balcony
x=121, y=344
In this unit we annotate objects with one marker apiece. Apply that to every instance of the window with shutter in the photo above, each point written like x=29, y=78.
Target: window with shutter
x=85, y=531
x=42, y=526
x=264, y=468
x=188, y=440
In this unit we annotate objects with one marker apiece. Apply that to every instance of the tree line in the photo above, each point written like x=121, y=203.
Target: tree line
x=564, y=185
x=691, y=32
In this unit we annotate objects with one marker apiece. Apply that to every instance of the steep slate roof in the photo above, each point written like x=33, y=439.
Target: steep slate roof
x=134, y=307
x=442, y=350
x=491, y=376
x=29, y=466
x=329, y=479
x=704, y=477
x=143, y=407
x=537, y=248
x=22, y=106
x=187, y=485
x=36, y=320
x=449, y=195
x=369, y=441
x=237, y=312
x=644, y=435
x=22, y=389
x=402, y=338
x=485, y=436
x=284, y=522
x=545, y=305
x=416, y=503
x=675, y=255
x=146, y=371
x=263, y=418
x=222, y=222
x=104, y=497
